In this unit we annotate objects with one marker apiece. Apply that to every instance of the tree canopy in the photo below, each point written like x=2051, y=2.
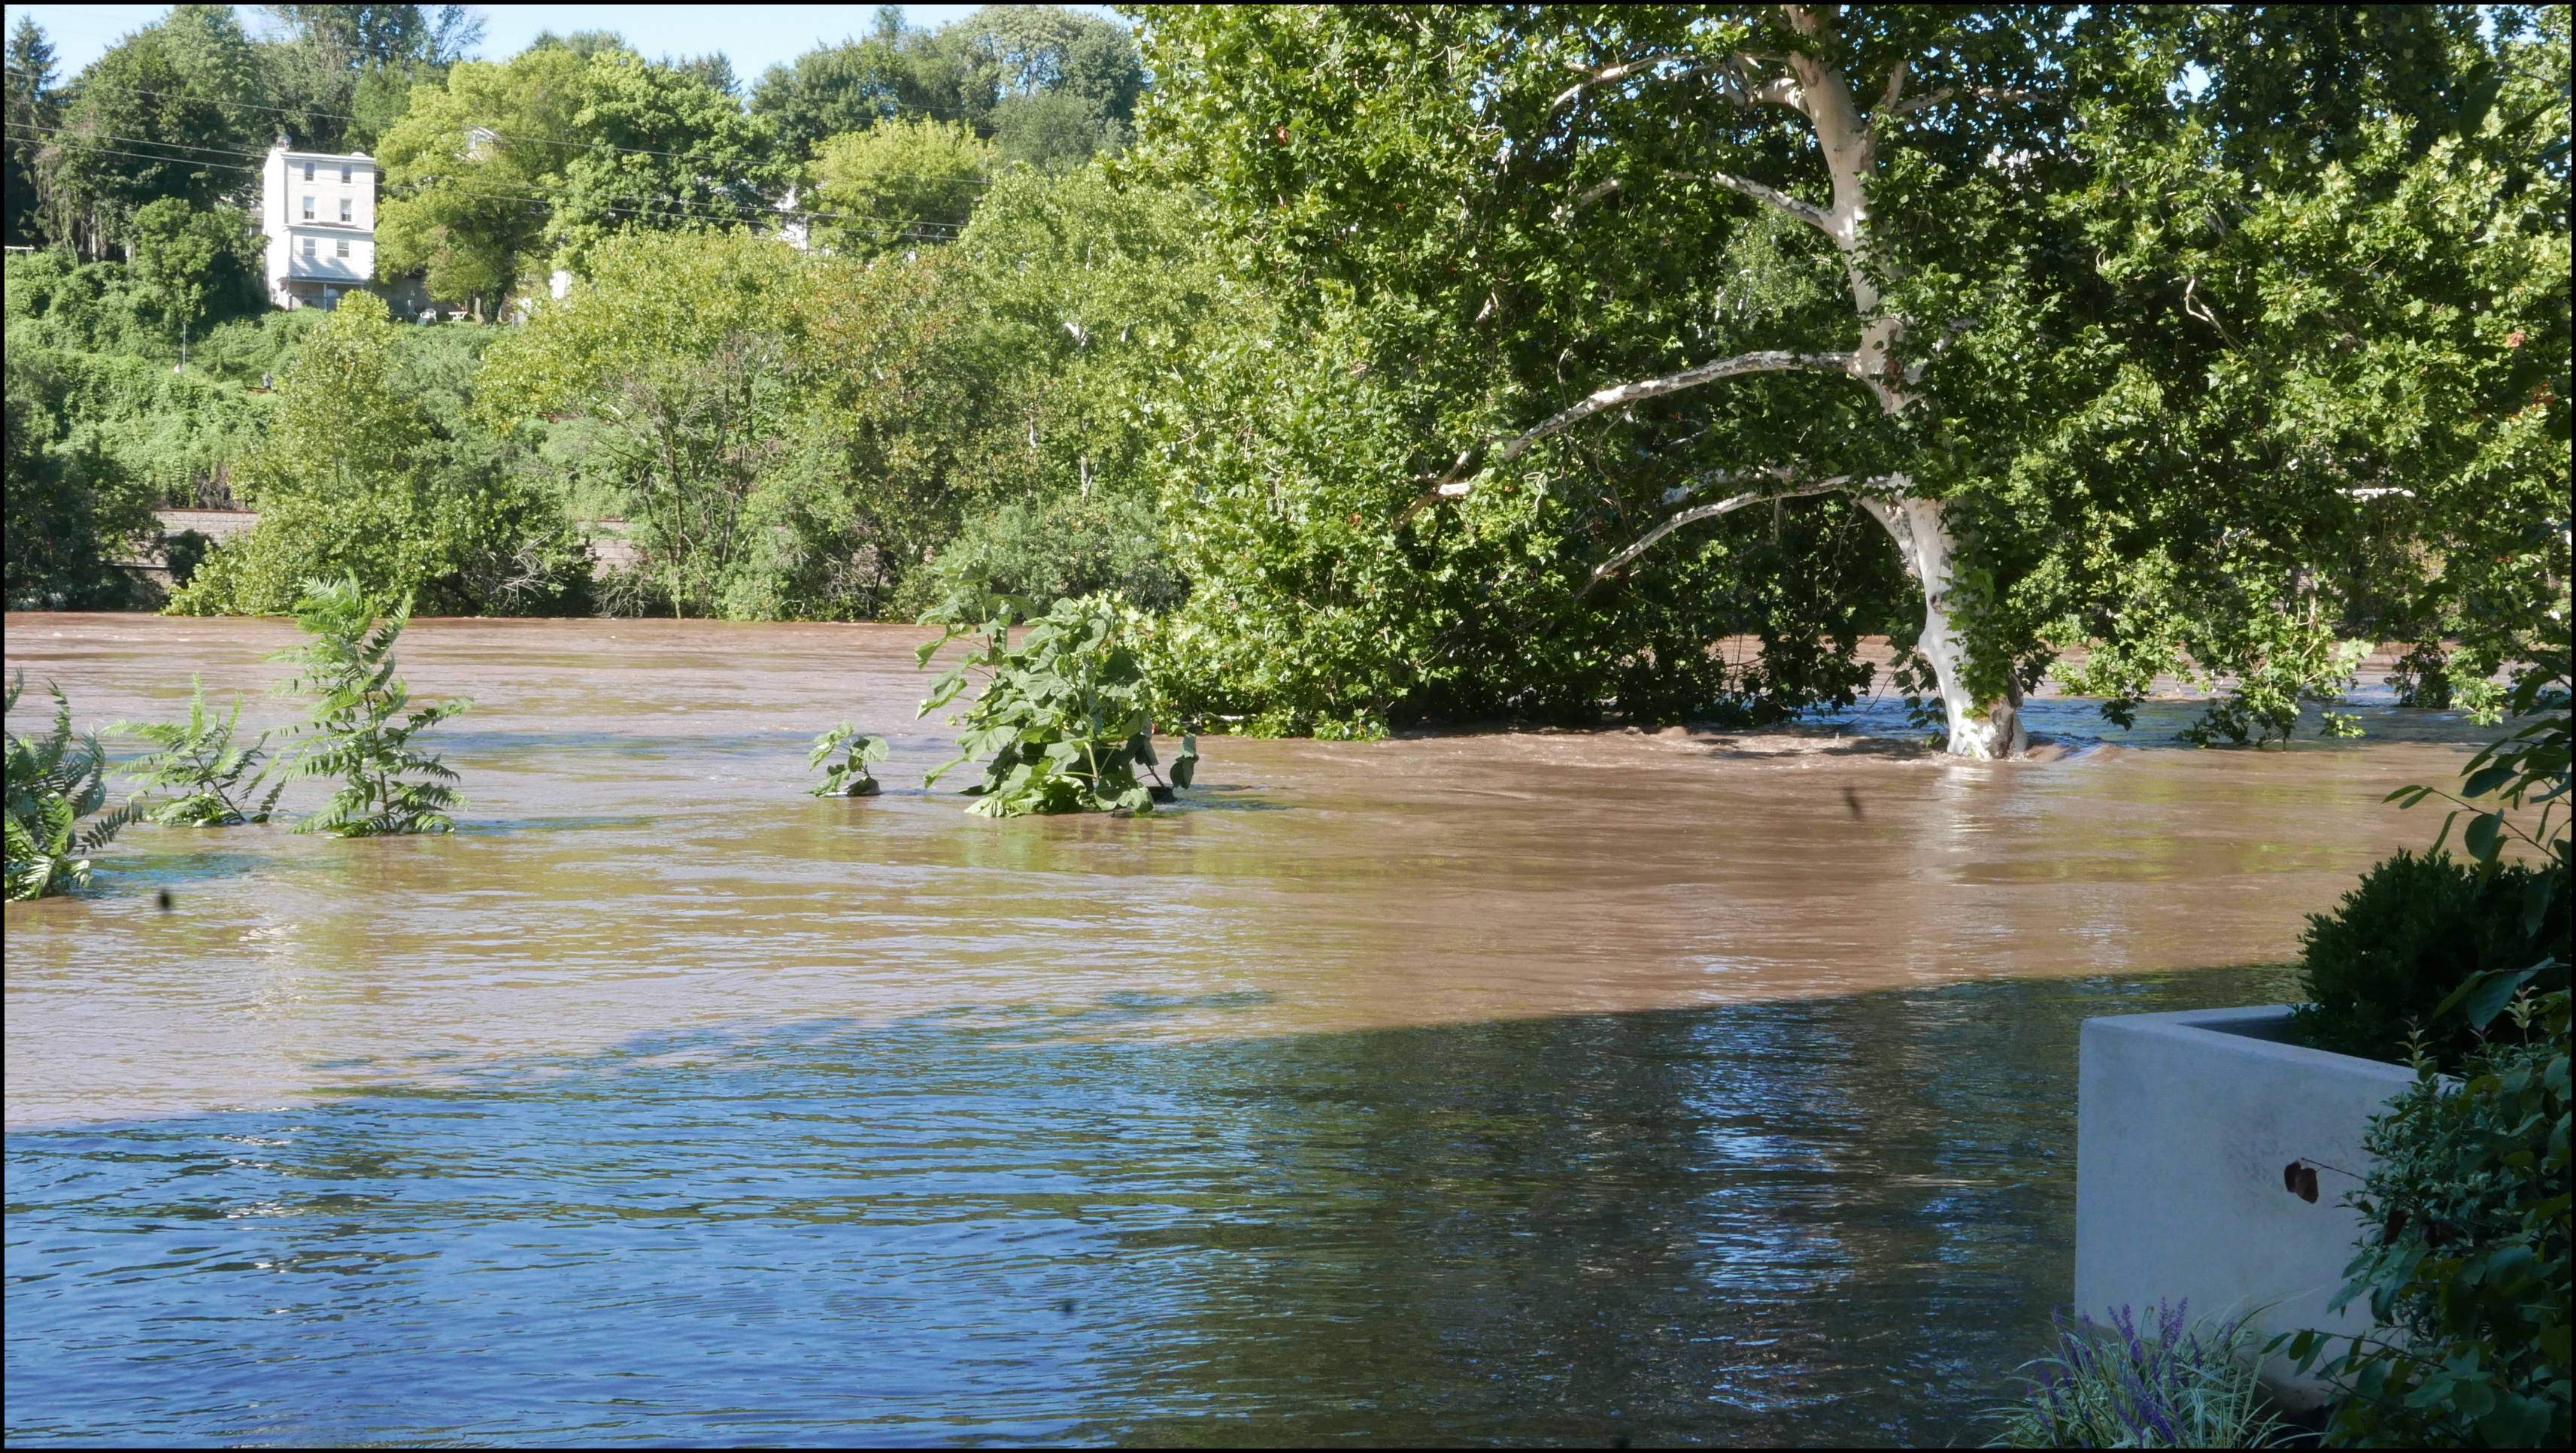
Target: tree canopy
x=2075, y=306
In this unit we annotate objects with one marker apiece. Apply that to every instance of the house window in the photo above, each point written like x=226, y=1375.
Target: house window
x=344, y=173
x=345, y=204
x=343, y=246
x=308, y=171
x=308, y=249
x=308, y=209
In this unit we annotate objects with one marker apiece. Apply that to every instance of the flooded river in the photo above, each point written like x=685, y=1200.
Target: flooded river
x=1542, y=1087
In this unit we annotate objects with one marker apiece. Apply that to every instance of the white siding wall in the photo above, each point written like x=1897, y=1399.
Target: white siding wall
x=335, y=180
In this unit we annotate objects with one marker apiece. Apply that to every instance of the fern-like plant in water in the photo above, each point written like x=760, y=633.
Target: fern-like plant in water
x=358, y=730
x=1066, y=715
x=850, y=776
x=54, y=781
x=215, y=780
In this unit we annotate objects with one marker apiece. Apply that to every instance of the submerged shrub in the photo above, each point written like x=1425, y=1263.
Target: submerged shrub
x=2466, y=1267
x=2174, y=1384
x=1066, y=715
x=358, y=732
x=850, y=776
x=54, y=781
x=2414, y=930
x=205, y=766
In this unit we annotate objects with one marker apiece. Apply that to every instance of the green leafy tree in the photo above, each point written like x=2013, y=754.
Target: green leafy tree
x=215, y=779
x=358, y=730
x=779, y=425
x=54, y=781
x=169, y=111
x=1616, y=292
x=33, y=110
x=834, y=90
x=191, y=257
x=341, y=73
x=73, y=509
x=354, y=477
x=467, y=171
x=662, y=150
x=899, y=184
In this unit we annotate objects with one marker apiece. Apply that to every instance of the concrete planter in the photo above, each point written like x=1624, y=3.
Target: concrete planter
x=2185, y=1123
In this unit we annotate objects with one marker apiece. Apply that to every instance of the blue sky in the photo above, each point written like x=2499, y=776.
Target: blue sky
x=753, y=36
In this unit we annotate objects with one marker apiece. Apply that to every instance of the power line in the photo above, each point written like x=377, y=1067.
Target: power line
x=744, y=210
x=504, y=136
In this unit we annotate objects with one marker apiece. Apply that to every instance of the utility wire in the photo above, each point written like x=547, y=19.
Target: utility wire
x=504, y=136
x=738, y=209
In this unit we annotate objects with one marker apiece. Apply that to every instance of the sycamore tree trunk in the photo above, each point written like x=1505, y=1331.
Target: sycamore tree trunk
x=1983, y=729
x=1847, y=136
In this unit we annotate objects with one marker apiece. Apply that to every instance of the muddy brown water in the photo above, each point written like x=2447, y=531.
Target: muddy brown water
x=1501, y=1087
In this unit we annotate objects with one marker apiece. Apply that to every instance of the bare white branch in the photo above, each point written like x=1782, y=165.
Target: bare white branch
x=1807, y=212
x=1767, y=361
x=1728, y=505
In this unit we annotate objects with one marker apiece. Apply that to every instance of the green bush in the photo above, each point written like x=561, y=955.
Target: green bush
x=1066, y=715
x=357, y=476
x=54, y=781
x=1055, y=551
x=2466, y=1271
x=2416, y=928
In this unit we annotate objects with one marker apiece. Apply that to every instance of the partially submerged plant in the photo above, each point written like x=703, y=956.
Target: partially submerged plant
x=1066, y=715
x=850, y=776
x=357, y=731
x=2174, y=1384
x=54, y=781
x=202, y=763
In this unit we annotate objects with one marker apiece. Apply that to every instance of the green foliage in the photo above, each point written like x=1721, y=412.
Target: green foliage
x=848, y=777
x=33, y=109
x=456, y=204
x=2526, y=770
x=170, y=111
x=72, y=509
x=1052, y=85
x=357, y=730
x=190, y=258
x=2466, y=1268
x=2177, y=401
x=354, y=476
x=2379, y=969
x=665, y=151
x=54, y=781
x=502, y=173
x=1066, y=715
x=1064, y=547
x=898, y=184
x=216, y=779
x=2174, y=1384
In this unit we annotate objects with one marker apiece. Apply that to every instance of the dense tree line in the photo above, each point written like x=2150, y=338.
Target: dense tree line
x=1411, y=361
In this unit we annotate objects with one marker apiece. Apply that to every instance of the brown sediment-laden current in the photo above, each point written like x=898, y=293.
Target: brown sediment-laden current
x=1514, y=1086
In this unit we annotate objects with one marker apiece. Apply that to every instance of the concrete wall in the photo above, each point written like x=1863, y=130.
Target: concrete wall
x=2184, y=1124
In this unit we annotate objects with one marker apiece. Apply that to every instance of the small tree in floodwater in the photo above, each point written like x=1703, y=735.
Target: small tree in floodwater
x=216, y=780
x=358, y=730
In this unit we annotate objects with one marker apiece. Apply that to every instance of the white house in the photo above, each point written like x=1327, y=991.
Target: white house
x=319, y=211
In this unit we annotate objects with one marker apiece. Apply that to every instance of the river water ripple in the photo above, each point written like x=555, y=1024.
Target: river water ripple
x=1520, y=1088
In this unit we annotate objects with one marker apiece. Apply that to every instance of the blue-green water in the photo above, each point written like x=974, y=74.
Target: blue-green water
x=1827, y=1222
